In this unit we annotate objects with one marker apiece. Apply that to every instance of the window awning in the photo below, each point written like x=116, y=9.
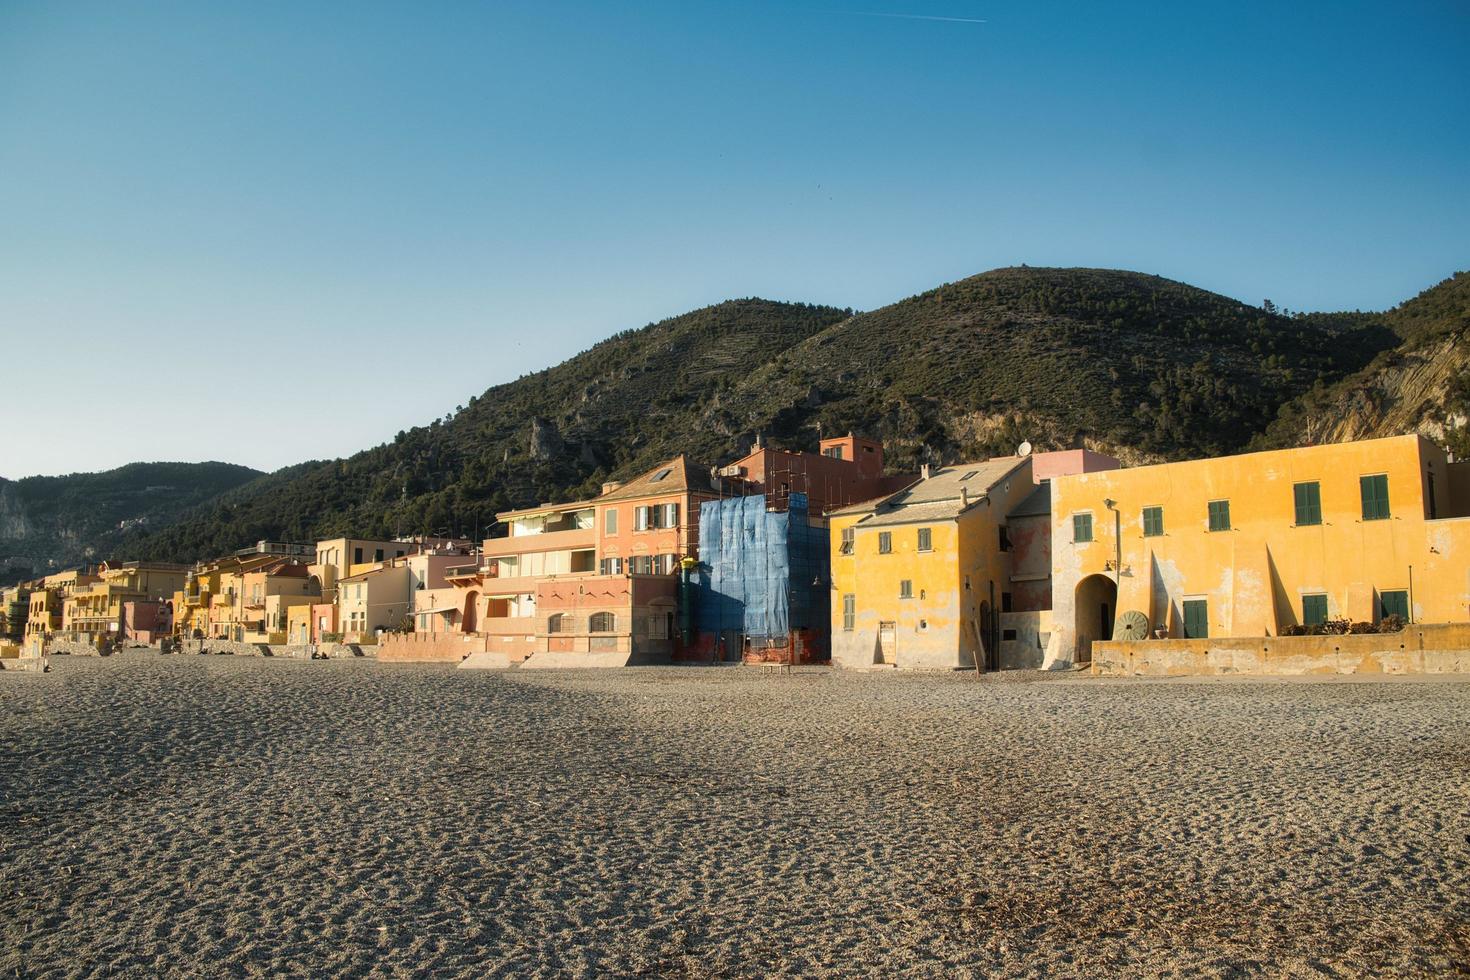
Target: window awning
x=436, y=609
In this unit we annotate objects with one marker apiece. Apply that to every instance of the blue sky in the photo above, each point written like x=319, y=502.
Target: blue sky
x=268, y=232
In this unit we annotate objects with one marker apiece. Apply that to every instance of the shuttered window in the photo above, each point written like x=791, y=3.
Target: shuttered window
x=906, y=589
x=848, y=534
x=1393, y=603
x=1081, y=528
x=609, y=522
x=926, y=539
x=1375, y=497
x=849, y=612
x=1153, y=522
x=1314, y=610
x=1196, y=619
x=1308, y=503
x=885, y=543
x=1219, y=515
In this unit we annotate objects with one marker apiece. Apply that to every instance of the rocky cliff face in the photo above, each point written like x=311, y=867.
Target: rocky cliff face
x=1419, y=390
x=15, y=523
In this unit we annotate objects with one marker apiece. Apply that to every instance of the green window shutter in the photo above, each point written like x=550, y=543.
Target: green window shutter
x=1153, y=522
x=885, y=542
x=1393, y=603
x=1314, y=610
x=849, y=611
x=926, y=539
x=1375, y=497
x=1196, y=619
x=1219, y=515
x=1081, y=528
x=1308, y=503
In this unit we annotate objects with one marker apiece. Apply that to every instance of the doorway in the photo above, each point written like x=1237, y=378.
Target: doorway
x=1094, y=611
x=887, y=644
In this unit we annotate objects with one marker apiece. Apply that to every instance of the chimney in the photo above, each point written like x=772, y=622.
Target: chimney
x=612, y=485
x=964, y=497
x=924, y=471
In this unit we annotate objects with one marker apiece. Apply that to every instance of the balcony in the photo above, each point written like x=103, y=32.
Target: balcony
x=580, y=539
x=509, y=625
x=526, y=584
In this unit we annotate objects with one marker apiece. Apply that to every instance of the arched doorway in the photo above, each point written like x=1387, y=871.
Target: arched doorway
x=1095, y=609
x=470, y=618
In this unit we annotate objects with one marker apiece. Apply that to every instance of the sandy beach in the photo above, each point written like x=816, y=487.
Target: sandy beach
x=223, y=816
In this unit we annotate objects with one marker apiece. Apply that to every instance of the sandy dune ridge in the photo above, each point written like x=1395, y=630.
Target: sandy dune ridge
x=223, y=816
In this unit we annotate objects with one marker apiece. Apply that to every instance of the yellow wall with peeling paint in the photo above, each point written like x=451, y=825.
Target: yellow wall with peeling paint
x=1254, y=575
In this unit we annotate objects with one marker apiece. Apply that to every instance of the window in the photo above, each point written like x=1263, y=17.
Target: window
x=1219, y=515
x=1395, y=602
x=926, y=539
x=557, y=623
x=670, y=517
x=661, y=475
x=1308, y=503
x=906, y=589
x=603, y=622
x=849, y=612
x=1007, y=634
x=357, y=556
x=1081, y=528
x=1153, y=522
x=1005, y=602
x=848, y=534
x=611, y=566
x=885, y=543
x=1005, y=538
x=641, y=520
x=968, y=476
x=378, y=554
x=1375, y=497
x=835, y=452
x=1196, y=619
x=610, y=522
x=1314, y=607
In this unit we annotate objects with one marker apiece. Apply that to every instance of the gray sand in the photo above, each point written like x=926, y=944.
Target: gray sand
x=224, y=816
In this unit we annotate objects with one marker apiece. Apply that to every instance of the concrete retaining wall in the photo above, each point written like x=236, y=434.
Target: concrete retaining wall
x=75, y=648
x=1416, y=650
x=447, y=648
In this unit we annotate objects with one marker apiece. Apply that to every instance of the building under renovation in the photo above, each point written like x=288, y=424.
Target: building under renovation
x=759, y=592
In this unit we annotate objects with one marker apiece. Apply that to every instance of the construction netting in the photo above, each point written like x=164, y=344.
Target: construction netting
x=762, y=573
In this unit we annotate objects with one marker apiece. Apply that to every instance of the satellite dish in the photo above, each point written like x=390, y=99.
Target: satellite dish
x=1132, y=625
x=1024, y=449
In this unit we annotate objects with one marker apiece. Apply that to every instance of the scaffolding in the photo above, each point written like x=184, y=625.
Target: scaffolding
x=762, y=572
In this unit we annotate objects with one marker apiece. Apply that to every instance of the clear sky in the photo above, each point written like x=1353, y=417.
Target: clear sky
x=266, y=232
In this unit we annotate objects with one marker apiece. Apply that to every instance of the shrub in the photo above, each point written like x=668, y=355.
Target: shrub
x=1393, y=623
x=1357, y=628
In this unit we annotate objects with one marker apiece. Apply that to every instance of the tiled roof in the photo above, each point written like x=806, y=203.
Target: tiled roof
x=678, y=475
x=947, y=493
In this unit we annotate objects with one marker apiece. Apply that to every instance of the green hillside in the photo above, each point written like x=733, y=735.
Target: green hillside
x=1120, y=361
x=1419, y=384
x=47, y=522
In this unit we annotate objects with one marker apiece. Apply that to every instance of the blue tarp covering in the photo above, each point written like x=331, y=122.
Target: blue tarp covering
x=760, y=573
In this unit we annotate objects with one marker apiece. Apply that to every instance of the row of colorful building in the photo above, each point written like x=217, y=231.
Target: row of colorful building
x=788, y=556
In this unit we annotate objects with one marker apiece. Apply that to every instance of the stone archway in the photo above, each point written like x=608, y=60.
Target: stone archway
x=1094, y=610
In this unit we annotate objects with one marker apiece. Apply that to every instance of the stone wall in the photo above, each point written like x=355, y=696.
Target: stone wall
x=1417, y=650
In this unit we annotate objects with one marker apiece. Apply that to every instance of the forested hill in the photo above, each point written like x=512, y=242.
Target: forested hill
x=1421, y=384
x=1124, y=362
x=47, y=522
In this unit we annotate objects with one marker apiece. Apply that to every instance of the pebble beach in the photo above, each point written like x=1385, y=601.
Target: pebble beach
x=230, y=816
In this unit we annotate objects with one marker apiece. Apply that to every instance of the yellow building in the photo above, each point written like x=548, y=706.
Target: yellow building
x=97, y=607
x=919, y=578
x=1248, y=546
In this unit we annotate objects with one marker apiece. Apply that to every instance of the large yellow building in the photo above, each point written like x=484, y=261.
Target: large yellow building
x=98, y=607
x=919, y=578
x=1248, y=546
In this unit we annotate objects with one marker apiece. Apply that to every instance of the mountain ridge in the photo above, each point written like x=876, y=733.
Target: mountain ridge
x=1130, y=363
